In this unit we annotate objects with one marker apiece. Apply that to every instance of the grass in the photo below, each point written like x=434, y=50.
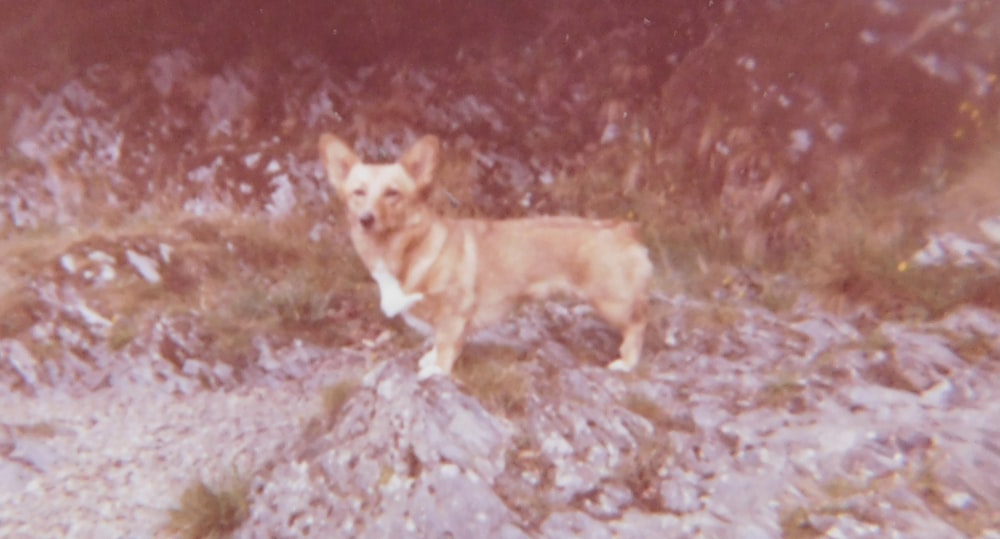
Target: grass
x=123, y=331
x=867, y=500
x=972, y=522
x=848, y=238
x=973, y=348
x=336, y=396
x=888, y=373
x=530, y=475
x=795, y=524
x=37, y=430
x=229, y=281
x=640, y=472
x=207, y=513
x=648, y=408
x=492, y=375
x=782, y=391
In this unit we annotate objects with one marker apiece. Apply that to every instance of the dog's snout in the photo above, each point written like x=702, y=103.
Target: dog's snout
x=367, y=219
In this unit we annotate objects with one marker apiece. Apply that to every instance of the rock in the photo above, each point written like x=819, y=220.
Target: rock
x=20, y=359
x=422, y=458
x=144, y=265
x=35, y=453
x=681, y=496
x=923, y=358
x=560, y=525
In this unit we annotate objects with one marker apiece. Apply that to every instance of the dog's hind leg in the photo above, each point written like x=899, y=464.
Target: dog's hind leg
x=630, y=318
x=630, y=349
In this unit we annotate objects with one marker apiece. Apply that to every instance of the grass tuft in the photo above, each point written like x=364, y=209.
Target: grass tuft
x=492, y=375
x=783, y=391
x=207, y=513
x=641, y=473
x=336, y=396
x=795, y=524
x=650, y=409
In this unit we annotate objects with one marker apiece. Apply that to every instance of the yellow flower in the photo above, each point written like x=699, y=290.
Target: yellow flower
x=903, y=266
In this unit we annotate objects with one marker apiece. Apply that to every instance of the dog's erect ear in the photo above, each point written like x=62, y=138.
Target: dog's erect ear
x=421, y=159
x=338, y=158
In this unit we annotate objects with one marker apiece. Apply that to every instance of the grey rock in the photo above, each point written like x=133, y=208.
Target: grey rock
x=681, y=496
x=20, y=359
x=572, y=524
x=144, y=265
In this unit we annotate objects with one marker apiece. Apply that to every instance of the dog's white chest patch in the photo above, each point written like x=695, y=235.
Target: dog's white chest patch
x=393, y=299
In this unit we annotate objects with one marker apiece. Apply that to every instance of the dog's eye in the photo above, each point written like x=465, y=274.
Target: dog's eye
x=391, y=193
x=359, y=192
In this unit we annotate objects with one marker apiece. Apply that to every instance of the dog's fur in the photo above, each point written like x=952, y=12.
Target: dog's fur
x=447, y=276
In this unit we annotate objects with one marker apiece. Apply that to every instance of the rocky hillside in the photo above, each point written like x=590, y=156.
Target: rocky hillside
x=189, y=347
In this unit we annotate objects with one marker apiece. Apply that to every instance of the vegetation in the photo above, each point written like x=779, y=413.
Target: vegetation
x=641, y=472
x=492, y=375
x=207, y=513
x=661, y=419
x=336, y=396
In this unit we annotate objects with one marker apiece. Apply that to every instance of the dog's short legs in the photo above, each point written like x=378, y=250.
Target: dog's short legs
x=441, y=358
x=393, y=300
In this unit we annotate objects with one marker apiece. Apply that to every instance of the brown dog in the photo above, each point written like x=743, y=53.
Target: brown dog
x=447, y=276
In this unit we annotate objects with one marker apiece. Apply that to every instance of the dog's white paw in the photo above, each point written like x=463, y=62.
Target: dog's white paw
x=429, y=358
x=429, y=366
x=619, y=365
x=393, y=304
x=430, y=371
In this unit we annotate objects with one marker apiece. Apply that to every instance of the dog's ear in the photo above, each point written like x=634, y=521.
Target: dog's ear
x=338, y=158
x=421, y=160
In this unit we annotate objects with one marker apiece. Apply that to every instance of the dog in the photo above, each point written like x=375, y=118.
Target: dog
x=448, y=276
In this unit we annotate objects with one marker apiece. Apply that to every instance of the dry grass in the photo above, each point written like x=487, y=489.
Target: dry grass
x=232, y=280
x=974, y=348
x=795, y=524
x=641, y=473
x=21, y=308
x=336, y=396
x=207, y=513
x=782, y=391
x=653, y=411
x=972, y=522
x=492, y=375
x=36, y=430
x=847, y=238
x=528, y=476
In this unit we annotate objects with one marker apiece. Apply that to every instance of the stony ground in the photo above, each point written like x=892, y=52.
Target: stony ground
x=742, y=424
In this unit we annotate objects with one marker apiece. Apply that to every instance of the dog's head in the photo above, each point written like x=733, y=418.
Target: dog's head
x=380, y=197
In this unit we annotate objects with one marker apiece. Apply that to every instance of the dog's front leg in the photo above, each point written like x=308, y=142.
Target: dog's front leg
x=393, y=299
x=448, y=336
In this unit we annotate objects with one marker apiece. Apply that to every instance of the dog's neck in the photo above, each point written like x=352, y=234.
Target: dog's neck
x=395, y=249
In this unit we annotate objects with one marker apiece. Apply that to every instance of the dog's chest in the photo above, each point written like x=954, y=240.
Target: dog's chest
x=393, y=300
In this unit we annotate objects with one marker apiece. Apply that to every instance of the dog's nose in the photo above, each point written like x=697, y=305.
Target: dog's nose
x=367, y=220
